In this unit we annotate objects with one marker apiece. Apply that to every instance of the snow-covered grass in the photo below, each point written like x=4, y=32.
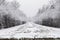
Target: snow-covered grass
x=30, y=30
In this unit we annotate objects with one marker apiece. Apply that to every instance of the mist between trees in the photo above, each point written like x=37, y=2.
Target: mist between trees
x=49, y=15
x=10, y=15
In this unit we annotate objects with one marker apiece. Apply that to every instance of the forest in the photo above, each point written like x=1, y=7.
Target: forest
x=49, y=15
x=10, y=15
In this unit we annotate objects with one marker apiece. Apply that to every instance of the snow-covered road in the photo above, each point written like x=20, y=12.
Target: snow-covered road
x=30, y=30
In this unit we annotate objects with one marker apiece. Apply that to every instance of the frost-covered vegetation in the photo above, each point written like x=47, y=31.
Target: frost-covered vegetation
x=49, y=15
x=10, y=15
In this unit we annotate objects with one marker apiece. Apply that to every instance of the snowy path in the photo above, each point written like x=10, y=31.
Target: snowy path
x=30, y=30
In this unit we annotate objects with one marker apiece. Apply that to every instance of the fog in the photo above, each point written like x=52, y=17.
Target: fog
x=30, y=7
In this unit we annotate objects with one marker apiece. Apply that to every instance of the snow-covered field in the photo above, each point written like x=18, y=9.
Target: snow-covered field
x=30, y=30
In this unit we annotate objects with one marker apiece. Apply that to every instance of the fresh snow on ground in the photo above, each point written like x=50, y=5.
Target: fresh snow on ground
x=30, y=30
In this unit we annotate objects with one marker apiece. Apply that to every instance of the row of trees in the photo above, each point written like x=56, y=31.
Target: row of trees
x=49, y=15
x=51, y=22
x=8, y=10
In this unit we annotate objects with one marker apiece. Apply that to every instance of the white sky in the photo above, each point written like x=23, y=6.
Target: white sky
x=30, y=7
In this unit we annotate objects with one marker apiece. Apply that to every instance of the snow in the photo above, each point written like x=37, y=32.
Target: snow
x=30, y=30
